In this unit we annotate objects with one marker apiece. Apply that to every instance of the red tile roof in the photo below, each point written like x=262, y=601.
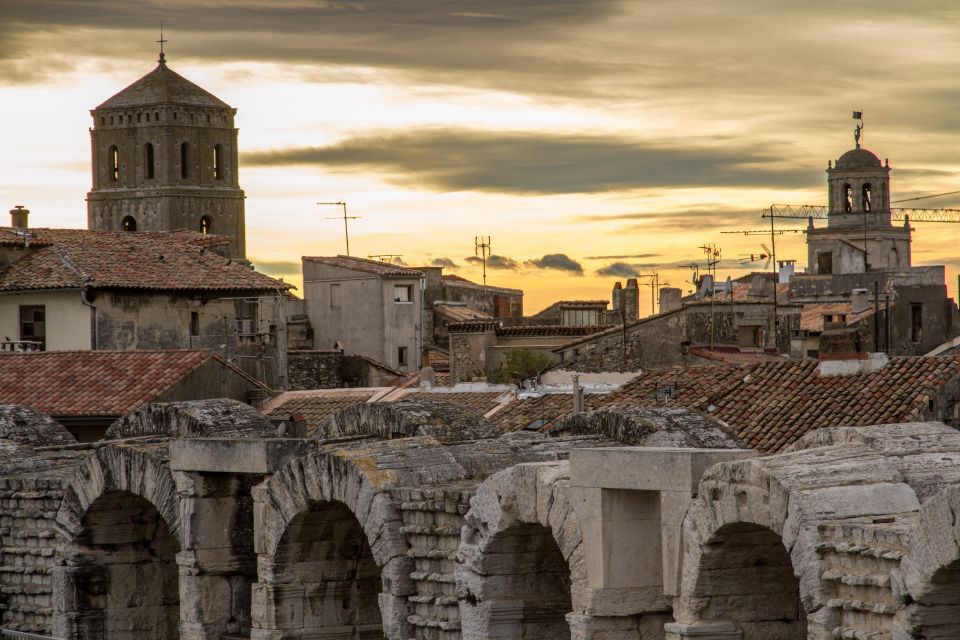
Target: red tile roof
x=459, y=313
x=375, y=267
x=95, y=383
x=811, y=314
x=519, y=413
x=479, y=401
x=552, y=330
x=456, y=281
x=315, y=406
x=157, y=260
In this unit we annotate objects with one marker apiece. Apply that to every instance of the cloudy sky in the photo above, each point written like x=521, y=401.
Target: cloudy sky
x=590, y=139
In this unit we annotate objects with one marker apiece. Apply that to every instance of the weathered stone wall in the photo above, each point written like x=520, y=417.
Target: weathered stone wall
x=314, y=369
x=468, y=353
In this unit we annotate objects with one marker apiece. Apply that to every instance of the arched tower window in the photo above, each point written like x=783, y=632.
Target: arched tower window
x=185, y=160
x=114, y=155
x=217, y=162
x=867, y=197
x=148, y=160
x=206, y=225
x=847, y=198
x=129, y=223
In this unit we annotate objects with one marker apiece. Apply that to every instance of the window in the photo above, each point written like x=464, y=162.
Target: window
x=114, y=158
x=916, y=322
x=403, y=293
x=334, y=296
x=847, y=198
x=194, y=323
x=206, y=225
x=217, y=160
x=129, y=224
x=867, y=197
x=401, y=356
x=825, y=263
x=751, y=336
x=247, y=311
x=148, y=160
x=139, y=117
x=156, y=116
x=185, y=160
x=33, y=325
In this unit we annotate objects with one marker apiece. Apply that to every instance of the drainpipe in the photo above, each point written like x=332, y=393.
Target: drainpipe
x=94, y=343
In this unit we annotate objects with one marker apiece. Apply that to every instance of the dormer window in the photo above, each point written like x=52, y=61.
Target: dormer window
x=867, y=197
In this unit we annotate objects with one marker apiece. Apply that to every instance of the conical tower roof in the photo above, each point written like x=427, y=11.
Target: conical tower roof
x=163, y=86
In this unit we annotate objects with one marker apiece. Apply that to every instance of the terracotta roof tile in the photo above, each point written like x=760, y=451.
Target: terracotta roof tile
x=316, y=406
x=165, y=260
x=479, y=401
x=459, y=313
x=366, y=266
x=95, y=383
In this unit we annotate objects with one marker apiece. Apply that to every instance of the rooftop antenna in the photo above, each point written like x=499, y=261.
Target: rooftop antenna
x=162, y=59
x=481, y=247
x=858, y=130
x=385, y=257
x=346, y=218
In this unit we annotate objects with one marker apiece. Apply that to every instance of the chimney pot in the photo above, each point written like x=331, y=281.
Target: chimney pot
x=18, y=217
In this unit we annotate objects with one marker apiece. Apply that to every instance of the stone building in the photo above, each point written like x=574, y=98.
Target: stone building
x=365, y=307
x=165, y=157
x=70, y=289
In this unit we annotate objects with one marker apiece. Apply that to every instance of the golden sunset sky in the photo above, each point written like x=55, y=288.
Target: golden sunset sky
x=589, y=139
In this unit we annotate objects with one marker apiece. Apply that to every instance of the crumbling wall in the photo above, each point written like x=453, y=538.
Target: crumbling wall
x=314, y=369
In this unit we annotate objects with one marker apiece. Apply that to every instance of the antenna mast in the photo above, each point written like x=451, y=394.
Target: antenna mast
x=481, y=247
x=346, y=218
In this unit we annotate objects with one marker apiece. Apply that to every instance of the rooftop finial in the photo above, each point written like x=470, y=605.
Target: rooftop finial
x=162, y=59
x=858, y=131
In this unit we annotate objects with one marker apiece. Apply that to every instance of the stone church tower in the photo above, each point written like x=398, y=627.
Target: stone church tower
x=859, y=236
x=165, y=157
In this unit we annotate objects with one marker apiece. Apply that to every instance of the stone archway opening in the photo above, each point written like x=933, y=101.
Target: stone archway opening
x=125, y=578
x=746, y=576
x=323, y=567
x=525, y=587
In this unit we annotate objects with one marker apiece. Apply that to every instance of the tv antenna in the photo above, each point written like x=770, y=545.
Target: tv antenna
x=385, y=257
x=346, y=219
x=481, y=247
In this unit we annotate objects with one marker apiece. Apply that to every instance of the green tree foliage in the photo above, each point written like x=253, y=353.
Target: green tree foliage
x=522, y=364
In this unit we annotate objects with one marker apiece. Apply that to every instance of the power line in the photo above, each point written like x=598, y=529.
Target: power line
x=936, y=195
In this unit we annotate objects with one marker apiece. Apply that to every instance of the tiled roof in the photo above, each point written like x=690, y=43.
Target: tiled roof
x=578, y=304
x=771, y=404
x=552, y=330
x=315, y=406
x=95, y=383
x=164, y=260
x=731, y=355
x=479, y=401
x=744, y=292
x=456, y=281
x=811, y=314
x=519, y=413
x=163, y=86
x=366, y=266
x=459, y=313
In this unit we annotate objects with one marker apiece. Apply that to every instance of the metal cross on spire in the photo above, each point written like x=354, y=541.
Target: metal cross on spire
x=162, y=59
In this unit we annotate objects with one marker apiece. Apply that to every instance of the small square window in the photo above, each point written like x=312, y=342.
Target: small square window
x=403, y=293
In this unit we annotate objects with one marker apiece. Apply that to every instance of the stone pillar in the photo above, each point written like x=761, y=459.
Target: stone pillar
x=616, y=297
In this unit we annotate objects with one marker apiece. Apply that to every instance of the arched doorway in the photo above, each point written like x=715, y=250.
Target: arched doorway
x=524, y=583
x=746, y=576
x=323, y=565
x=125, y=577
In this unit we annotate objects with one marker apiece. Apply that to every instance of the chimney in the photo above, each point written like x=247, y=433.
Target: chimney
x=669, y=299
x=787, y=269
x=617, y=297
x=860, y=299
x=18, y=217
x=631, y=300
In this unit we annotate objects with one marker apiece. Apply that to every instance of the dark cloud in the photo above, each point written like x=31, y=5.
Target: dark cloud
x=453, y=159
x=636, y=255
x=495, y=262
x=444, y=262
x=618, y=269
x=557, y=262
x=276, y=267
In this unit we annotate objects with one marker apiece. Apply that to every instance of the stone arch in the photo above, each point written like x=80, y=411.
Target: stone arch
x=217, y=418
x=893, y=259
x=116, y=576
x=744, y=568
x=651, y=427
x=338, y=495
x=520, y=566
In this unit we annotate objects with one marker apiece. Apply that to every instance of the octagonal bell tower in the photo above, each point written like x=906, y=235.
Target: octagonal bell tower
x=164, y=157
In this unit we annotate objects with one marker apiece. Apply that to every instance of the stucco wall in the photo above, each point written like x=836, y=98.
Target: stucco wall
x=67, y=320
